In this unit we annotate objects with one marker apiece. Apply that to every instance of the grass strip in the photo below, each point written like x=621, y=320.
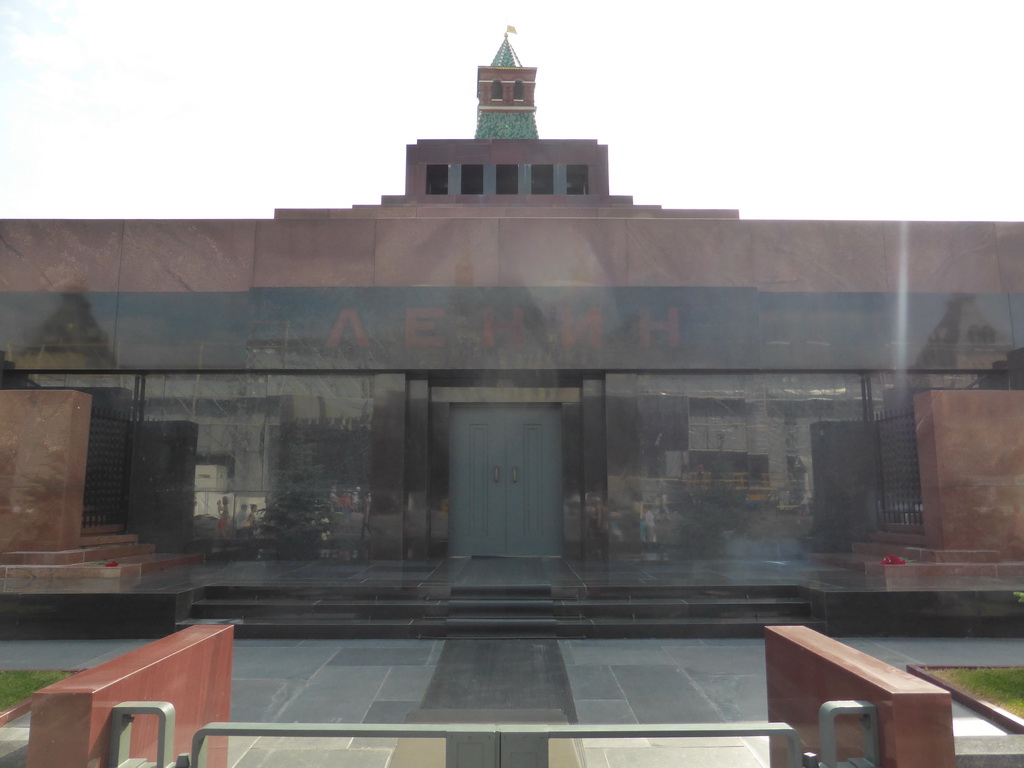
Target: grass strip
x=1003, y=687
x=18, y=685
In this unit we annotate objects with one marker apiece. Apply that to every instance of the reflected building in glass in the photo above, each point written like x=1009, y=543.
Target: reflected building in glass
x=509, y=360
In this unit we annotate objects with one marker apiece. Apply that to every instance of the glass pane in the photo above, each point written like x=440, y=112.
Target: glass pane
x=729, y=464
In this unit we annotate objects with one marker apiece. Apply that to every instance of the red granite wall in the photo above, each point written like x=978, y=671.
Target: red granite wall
x=483, y=246
x=44, y=439
x=805, y=669
x=190, y=669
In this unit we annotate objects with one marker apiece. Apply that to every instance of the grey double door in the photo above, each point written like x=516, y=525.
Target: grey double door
x=506, y=480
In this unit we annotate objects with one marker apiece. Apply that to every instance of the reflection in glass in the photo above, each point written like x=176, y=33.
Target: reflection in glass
x=728, y=462
x=281, y=463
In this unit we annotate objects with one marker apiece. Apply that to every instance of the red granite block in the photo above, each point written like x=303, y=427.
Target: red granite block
x=689, y=253
x=314, y=253
x=437, y=252
x=68, y=256
x=563, y=252
x=805, y=669
x=1010, y=250
x=970, y=458
x=188, y=255
x=44, y=440
x=943, y=257
x=190, y=669
x=818, y=256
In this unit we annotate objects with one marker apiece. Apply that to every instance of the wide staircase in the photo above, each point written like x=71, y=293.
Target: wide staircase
x=516, y=605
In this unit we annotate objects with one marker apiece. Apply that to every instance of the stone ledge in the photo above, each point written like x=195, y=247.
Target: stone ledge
x=989, y=751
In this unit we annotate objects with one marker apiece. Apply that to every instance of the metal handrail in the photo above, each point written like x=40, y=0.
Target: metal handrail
x=451, y=732
x=497, y=738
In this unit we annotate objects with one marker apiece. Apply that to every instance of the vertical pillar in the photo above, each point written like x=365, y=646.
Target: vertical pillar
x=417, y=469
x=594, y=470
x=387, y=466
x=454, y=179
x=490, y=179
x=438, y=530
x=525, y=179
x=561, y=180
x=624, y=492
x=572, y=481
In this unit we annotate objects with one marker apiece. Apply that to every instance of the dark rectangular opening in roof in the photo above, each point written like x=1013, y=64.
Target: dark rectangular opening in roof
x=437, y=179
x=542, y=179
x=577, y=180
x=507, y=179
x=472, y=179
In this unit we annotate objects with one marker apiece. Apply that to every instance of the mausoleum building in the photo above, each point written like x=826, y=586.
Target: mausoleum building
x=507, y=359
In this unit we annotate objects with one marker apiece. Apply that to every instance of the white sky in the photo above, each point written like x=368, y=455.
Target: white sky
x=823, y=109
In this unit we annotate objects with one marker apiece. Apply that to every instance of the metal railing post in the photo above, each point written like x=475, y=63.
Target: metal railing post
x=471, y=750
x=524, y=750
x=827, y=715
x=122, y=716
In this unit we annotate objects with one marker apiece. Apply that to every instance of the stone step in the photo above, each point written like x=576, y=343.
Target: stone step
x=501, y=607
x=325, y=610
x=693, y=628
x=924, y=555
x=79, y=556
x=131, y=567
x=65, y=572
x=101, y=539
x=266, y=629
x=849, y=560
x=909, y=539
x=439, y=628
x=920, y=573
x=499, y=626
x=756, y=608
x=152, y=563
x=313, y=593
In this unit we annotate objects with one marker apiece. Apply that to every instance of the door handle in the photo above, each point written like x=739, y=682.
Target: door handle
x=515, y=474
x=497, y=473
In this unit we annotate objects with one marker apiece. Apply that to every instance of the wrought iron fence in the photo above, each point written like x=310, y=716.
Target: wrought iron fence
x=900, y=505
x=107, y=466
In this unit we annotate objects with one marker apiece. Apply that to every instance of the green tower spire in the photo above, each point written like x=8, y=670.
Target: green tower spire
x=505, y=89
x=506, y=56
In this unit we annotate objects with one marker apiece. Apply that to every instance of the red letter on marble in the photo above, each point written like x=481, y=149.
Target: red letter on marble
x=670, y=326
x=514, y=326
x=571, y=332
x=420, y=321
x=348, y=317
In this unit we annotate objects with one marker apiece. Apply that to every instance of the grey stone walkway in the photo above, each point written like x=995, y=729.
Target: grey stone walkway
x=613, y=681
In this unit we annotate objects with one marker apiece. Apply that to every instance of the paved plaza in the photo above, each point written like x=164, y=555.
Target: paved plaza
x=612, y=681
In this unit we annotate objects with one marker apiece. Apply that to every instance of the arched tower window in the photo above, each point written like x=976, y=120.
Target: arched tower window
x=517, y=90
x=496, y=94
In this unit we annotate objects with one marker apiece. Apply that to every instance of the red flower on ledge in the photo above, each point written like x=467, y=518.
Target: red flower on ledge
x=893, y=560
x=110, y=564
